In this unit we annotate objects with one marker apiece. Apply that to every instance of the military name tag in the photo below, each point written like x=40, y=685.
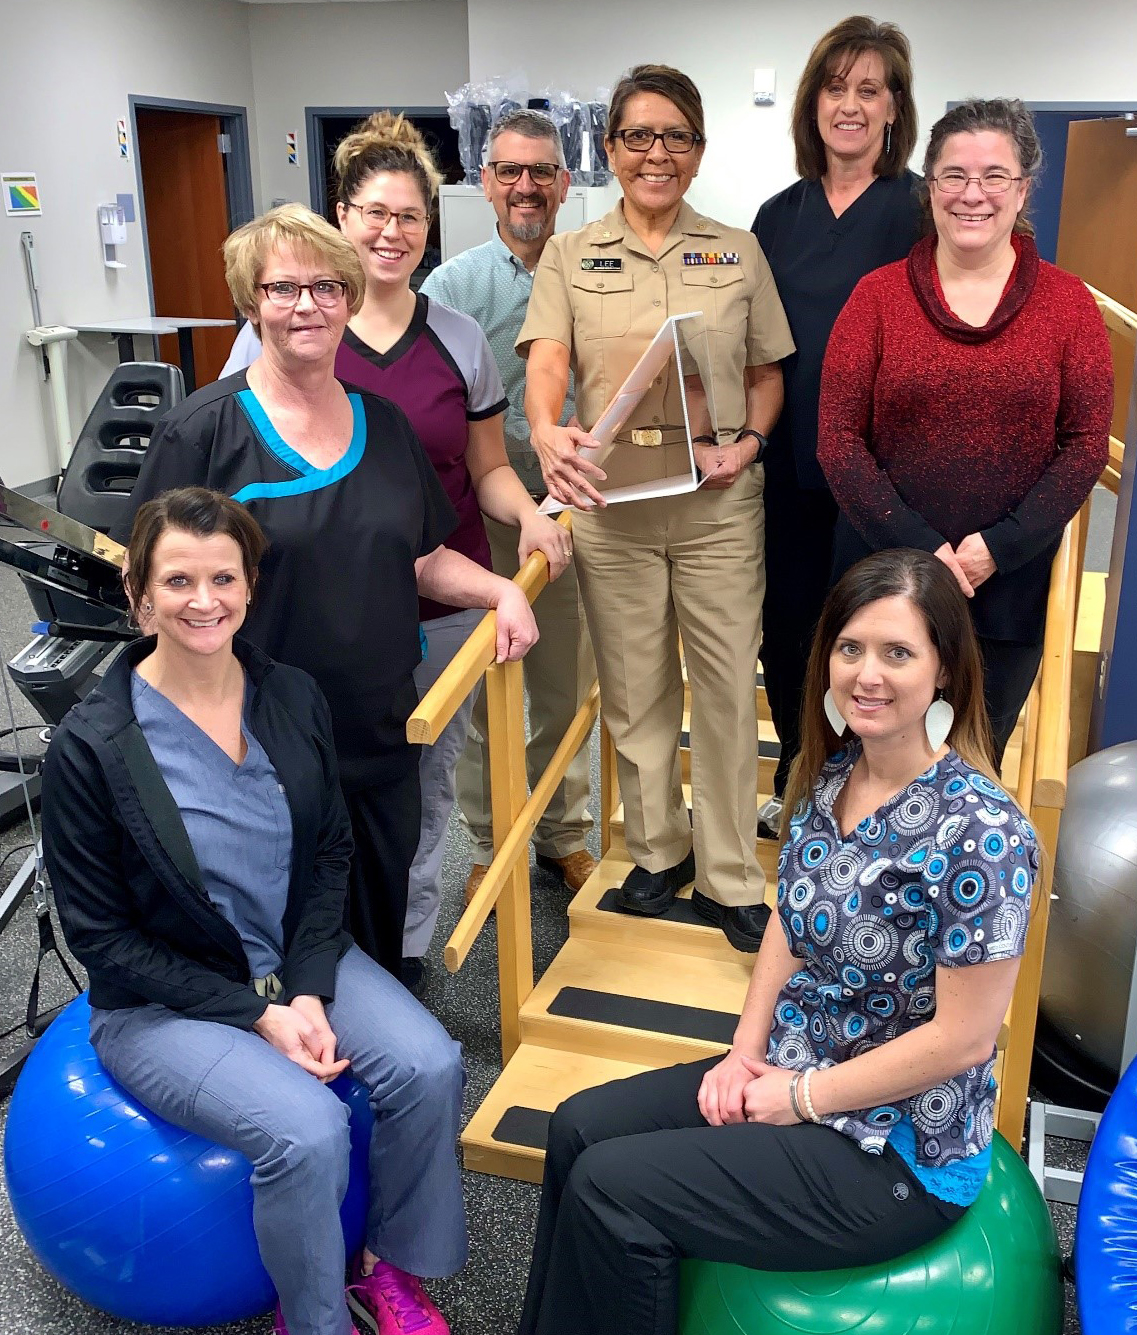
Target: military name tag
x=614, y=265
x=710, y=257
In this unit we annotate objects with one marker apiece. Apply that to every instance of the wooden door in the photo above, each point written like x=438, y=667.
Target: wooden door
x=1097, y=230
x=187, y=221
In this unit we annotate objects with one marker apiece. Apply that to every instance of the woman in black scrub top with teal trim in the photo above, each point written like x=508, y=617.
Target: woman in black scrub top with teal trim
x=356, y=520
x=853, y=210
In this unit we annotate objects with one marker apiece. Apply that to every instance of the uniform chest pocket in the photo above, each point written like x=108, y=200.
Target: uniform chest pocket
x=602, y=304
x=719, y=292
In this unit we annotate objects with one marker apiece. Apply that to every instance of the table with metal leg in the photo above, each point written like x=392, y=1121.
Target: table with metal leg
x=154, y=326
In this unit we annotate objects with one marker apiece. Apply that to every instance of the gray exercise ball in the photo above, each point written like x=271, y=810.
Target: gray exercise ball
x=1092, y=940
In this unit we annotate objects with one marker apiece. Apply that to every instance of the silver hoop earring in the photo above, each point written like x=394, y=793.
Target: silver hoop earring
x=833, y=714
x=147, y=608
x=888, y=137
x=938, y=721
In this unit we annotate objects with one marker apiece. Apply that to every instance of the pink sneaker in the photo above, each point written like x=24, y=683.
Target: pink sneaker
x=279, y=1328
x=391, y=1302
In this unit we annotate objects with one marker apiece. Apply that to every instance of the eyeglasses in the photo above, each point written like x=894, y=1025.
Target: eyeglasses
x=325, y=292
x=641, y=140
x=994, y=182
x=410, y=221
x=509, y=173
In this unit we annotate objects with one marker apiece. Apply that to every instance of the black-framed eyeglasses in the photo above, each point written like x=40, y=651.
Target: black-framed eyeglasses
x=509, y=173
x=325, y=291
x=639, y=139
x=994, y=182
x=411, y=222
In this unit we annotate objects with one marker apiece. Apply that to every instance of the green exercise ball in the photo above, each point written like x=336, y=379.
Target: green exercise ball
x=996, y=1272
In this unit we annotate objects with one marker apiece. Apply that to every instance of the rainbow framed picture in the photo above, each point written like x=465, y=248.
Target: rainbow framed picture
x=21, y=194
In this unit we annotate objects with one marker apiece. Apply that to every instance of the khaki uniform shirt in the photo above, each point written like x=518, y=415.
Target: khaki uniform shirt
x=604, y=295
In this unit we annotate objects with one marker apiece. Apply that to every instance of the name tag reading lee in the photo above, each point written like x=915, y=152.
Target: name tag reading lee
x=611, y=265
x=691, y=257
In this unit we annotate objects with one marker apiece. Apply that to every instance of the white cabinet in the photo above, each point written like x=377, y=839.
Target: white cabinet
x=467, y=217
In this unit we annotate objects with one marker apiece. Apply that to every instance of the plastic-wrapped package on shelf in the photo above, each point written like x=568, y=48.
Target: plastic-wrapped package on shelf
x=474, y=108
x=600, y=173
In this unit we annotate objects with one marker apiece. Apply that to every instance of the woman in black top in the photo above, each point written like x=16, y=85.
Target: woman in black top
x=853, y=210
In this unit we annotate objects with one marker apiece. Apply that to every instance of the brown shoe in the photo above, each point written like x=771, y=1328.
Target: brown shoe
x=574, y=869
x=476, y=877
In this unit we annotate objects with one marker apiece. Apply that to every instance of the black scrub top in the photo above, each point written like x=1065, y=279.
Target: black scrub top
x=337, y=594
x=817, y=260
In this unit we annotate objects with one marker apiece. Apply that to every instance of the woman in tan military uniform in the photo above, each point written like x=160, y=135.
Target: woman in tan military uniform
x=691, y=564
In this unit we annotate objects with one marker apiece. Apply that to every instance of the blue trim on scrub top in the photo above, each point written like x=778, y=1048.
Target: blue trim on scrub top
x=310, y=479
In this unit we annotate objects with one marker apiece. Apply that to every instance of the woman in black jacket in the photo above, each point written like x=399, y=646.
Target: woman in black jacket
x=198, y=846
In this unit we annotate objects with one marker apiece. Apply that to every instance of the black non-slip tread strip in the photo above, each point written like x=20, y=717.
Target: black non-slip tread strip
x=657, y=1017
x=680, y=910
x=523, y=1126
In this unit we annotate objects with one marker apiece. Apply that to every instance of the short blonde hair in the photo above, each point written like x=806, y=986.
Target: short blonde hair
x=247, y=250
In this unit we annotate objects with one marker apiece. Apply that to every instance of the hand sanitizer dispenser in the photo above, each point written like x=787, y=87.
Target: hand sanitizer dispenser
x=112, y=229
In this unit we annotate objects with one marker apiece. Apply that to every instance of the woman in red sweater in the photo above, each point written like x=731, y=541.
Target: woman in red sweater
x=966, y=396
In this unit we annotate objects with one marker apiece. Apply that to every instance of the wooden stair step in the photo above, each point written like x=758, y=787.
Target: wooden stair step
x=507, y=1135
x=680, y=930
x=769, y=749
x=635, y=1004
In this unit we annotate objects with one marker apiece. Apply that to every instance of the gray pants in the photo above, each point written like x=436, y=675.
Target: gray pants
x=233, y=1088
x=444, y=637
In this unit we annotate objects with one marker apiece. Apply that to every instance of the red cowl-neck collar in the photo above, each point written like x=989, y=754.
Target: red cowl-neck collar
x=925, y=280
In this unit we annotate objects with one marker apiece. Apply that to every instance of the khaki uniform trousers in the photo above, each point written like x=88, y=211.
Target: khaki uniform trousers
x=649, y=572
x=559, y=672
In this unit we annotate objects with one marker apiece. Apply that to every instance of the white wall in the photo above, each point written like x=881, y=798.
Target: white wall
x=69, y=66
x=1051, y=50
x=401, y=53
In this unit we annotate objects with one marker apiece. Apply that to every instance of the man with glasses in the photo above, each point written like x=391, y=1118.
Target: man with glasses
x=525, y=180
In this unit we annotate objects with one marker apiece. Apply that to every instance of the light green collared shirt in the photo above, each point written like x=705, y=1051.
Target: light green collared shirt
x=490, y=283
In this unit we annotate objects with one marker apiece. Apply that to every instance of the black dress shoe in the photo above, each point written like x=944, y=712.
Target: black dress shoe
x=650, y=893
x=742, y=925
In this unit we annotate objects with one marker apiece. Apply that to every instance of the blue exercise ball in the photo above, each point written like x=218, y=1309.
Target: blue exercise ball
x=137, y=1217
x=1105, y=1243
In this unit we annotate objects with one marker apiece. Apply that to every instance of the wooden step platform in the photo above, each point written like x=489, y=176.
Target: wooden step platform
x=636, y=1004
x=507, y=1134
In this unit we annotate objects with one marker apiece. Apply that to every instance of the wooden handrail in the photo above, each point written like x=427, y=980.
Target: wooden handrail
x=1116, y=316
x=1052, y=759
x=1111, y=477
x=516, y=844
x=439, y=705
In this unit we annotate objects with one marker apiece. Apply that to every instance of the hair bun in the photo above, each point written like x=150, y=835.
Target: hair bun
x=385, y=142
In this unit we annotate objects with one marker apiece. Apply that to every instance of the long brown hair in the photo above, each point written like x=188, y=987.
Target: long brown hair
x=835, y=53
x=931, y=588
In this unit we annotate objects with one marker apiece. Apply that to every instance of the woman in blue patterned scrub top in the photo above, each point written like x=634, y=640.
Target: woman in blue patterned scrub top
x=851, y=1120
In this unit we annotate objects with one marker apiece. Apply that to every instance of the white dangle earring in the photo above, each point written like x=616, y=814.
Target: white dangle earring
x=833, y=714
x=938, y=721
x=888, y=136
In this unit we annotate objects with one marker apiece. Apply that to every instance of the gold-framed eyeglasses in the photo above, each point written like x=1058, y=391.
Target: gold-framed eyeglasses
x=509, y=173
x=325, y=292
x=410, y=221
x=639, y=139
x=993, y=182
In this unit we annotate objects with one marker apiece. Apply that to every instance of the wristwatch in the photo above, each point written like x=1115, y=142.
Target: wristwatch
x=758, y=436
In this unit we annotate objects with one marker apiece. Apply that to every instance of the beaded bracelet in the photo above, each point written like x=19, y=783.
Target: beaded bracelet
x=807, y=1098
x=801, y=1117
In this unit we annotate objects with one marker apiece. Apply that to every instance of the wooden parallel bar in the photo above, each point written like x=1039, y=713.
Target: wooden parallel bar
x=1111, y=477
x=1116, y=316
x=517, y=841
x=505, y=700
x=439, y=705
x=1051, y=747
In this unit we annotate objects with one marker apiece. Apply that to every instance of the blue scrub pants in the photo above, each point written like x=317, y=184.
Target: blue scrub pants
x=234, y=1088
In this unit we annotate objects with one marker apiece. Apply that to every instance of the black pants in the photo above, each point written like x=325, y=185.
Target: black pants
x=635, y=1180
x=385, y=825
x=1009, y=671
x=799, y=557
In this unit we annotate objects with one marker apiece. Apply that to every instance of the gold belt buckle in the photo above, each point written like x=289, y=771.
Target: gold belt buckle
x=647, y=437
